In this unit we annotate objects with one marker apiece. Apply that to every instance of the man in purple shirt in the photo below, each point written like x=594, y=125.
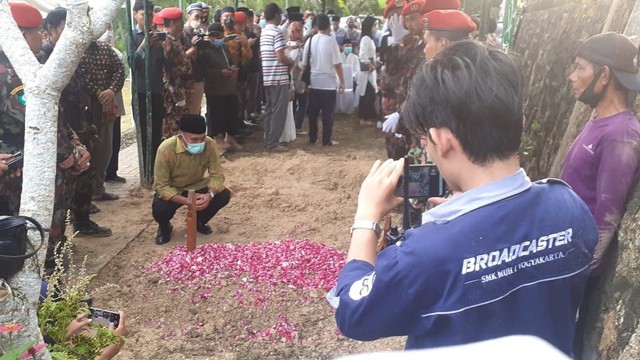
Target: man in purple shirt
x=603, y=164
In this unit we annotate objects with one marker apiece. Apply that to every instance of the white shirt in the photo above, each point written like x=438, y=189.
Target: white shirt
x=325, y=54
x=367, y=53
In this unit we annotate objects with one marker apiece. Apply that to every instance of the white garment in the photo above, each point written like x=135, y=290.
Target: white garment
x=325, y=54
x=345, y=102
x=367, y=52
x=289, y=131
x=352, y=60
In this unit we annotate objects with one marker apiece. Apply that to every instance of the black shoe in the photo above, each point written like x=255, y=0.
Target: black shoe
x=204, y=229
x=115, y=179
x=90, y=228
x=164, y=234
x=93, y=209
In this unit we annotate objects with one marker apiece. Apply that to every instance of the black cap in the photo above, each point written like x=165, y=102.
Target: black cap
x=194, y=124
x=618, y=53
x=294, y=14
x=227, y=9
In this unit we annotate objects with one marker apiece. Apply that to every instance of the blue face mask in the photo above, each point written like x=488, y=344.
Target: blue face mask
x=218, y=42
x=194, y=149
x=309, y=24
x=348, y=50
x=263, y=23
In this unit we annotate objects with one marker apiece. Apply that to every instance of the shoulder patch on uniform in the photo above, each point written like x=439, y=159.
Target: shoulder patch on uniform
x=361, y=288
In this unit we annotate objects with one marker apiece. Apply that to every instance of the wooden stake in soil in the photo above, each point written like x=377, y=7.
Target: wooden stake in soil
x=191, y=221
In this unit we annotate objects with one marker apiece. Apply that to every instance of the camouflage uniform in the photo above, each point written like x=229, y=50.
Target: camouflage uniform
x=12, y=106
x=12, y=128
x=402, y=63
x=178, y=83
x=241, y=57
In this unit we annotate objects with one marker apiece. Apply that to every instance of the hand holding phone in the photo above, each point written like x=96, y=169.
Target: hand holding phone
x=105, y=317
x=15, y=162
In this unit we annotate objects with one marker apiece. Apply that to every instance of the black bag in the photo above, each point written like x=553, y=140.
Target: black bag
x=306, y=74
x=13, y=243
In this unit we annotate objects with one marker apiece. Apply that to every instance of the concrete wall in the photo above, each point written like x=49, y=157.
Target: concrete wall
x=547, y=39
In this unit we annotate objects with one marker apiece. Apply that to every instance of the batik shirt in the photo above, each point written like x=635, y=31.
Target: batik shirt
x=178, y=78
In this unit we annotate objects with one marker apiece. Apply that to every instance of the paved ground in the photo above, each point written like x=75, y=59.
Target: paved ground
x=100, y=251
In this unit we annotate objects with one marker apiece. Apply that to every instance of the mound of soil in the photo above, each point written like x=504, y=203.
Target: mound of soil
x=308, y=193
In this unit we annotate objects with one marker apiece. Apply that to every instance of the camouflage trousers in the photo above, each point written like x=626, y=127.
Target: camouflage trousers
x=243, y=96
x=83, y=189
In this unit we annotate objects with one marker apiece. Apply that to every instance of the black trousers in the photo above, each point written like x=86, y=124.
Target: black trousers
x=112, y=169
x=222, y=115
x=163, y=211
x=158, y=112
x=325, y=101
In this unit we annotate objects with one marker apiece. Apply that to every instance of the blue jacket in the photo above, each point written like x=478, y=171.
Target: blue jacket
x=508, y=258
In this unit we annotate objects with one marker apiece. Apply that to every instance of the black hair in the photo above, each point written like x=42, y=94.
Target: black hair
x=54, y=18
x=314, y=21
x=271, y=11
x=367, y=26
x=450, y=35
x=139, y=5
x=323, y=22
x=475, y=92
x=217, y=15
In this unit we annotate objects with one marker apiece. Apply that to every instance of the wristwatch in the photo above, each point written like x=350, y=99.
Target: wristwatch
x=365, y=224
x=212, y=194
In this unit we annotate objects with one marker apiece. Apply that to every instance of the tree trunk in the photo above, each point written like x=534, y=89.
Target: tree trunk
x=43, y=85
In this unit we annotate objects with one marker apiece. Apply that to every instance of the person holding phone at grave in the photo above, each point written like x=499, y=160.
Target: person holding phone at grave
x=490, y=262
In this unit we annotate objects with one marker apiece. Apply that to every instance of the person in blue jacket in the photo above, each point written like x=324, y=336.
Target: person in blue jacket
x=507, y=256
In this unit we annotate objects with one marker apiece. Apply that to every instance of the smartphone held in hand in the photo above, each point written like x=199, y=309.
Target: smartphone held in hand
x=105, y=317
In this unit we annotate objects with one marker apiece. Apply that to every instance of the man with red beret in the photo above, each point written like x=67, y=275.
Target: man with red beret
x=241, y=54
x=137, y=55
x=402, y=60
x=72, y=156
x=443, y=27
x=178, y=78
x=244, y=64
x=12, y=104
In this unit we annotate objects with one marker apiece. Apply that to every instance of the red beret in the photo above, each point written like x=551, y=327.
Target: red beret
x=172, y=13
x=25, y=15
x=240, y=17
x=430, y=5
x=450, y=20
x=393, y=5
x=157, y=20
x=413, y=7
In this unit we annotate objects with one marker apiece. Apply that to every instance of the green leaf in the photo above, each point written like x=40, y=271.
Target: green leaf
x=16, y=353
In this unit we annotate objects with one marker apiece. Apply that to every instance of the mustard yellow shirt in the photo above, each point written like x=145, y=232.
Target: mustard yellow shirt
x=176, y=170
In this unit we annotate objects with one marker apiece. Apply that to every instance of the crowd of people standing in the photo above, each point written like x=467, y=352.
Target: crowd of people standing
x=280, y=66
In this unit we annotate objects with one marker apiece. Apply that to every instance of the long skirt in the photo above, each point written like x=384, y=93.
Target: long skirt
x=367, y=107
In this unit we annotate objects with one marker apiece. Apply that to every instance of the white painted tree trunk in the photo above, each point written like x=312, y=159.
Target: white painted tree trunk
x=43, y=85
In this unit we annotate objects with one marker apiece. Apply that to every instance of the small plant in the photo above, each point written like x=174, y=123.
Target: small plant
x=67, y=297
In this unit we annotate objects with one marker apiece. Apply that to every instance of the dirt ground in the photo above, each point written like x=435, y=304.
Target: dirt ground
x=309, y=193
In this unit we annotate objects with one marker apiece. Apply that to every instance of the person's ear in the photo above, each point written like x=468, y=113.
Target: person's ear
x=605, y=78
x=443, y=141
x=442, y=44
